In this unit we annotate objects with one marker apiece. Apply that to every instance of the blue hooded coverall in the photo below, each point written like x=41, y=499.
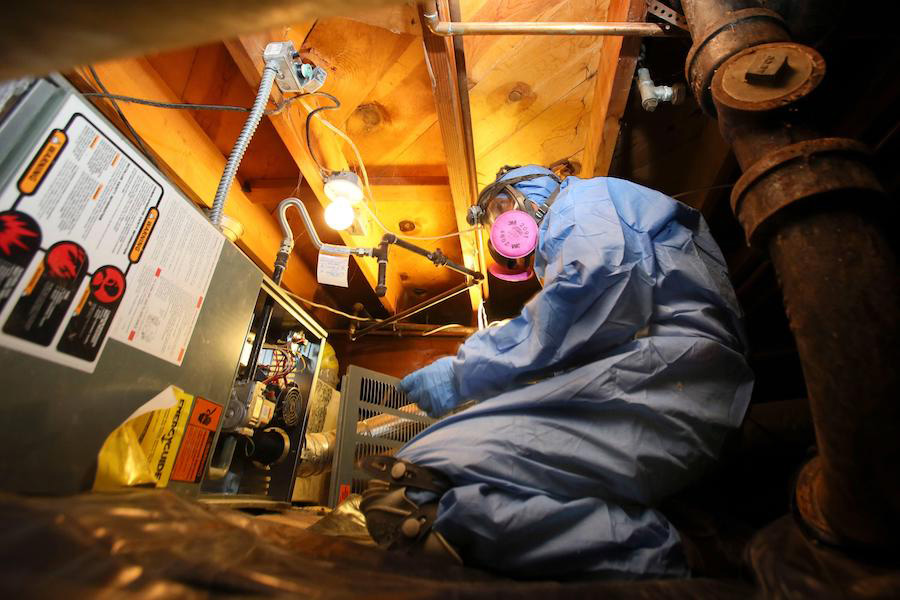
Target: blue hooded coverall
x=614, y=388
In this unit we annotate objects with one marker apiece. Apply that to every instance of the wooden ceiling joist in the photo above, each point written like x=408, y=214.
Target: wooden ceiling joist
x=447, y=66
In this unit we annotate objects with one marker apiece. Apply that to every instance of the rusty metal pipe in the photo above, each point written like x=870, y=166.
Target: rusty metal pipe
x=814, y=204
x=839, y=277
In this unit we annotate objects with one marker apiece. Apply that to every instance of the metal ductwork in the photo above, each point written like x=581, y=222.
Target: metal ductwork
x=816, y=206
x=318, y=451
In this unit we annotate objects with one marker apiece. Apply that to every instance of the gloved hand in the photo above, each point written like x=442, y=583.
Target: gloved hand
x=433, y=387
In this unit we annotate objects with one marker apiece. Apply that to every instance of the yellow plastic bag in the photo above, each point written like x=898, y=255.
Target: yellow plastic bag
x=143, y=450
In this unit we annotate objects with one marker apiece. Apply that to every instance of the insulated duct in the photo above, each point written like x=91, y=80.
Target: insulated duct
x=318, y=452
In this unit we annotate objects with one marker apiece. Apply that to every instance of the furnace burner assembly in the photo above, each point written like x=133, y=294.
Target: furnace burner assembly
x=265, y=419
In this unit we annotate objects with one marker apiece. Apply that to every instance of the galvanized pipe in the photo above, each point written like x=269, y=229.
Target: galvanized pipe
x=814, y=204
x=414, y=330
x=454, y=291
x=453, y=28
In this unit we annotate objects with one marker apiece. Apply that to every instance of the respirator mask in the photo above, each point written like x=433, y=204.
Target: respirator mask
x=513, y=219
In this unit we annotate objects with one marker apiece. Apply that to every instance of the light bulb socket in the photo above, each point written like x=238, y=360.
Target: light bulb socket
x=344, y=185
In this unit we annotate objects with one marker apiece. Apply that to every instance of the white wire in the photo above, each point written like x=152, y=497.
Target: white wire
x=368, y=188
x=418, y=237
x=328, y=308
x=441, y=328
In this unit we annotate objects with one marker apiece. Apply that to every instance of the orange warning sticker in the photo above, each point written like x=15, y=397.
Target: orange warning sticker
x=41, y=164
x=83, y=301
x=205, y=414
x=197, y=441
x=344, y=492
x=140, y=242
x=34, y=280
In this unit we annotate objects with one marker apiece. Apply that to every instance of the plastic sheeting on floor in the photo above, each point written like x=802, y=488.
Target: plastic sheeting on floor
x=154, y=544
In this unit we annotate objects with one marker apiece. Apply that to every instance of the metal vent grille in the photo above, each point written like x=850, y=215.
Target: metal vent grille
x=375, y=418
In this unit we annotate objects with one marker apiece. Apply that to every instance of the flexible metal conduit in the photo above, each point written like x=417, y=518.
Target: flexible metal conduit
x=240, y=146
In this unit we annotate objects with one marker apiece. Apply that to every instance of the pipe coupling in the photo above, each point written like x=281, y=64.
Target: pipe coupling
x=796, y=173
x=725, y=38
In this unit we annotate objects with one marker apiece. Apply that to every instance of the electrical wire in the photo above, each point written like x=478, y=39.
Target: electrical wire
x=441, y=328
x=346, y=138
x=328, y=308
x=290, y=364
x=115, y=105
x=705, y=189
x=279, y=107
x=419, y=237
x=310, y=114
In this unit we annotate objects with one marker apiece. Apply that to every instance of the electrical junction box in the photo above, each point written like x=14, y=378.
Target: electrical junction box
x=293, y=75
x=114, y=287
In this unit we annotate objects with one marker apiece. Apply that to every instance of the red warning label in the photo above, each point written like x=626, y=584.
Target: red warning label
x=197, y=441
x=344, y=492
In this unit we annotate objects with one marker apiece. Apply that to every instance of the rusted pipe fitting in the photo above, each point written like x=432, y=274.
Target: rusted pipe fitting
x=795, y=173
x=808, y=491
x=734, y=32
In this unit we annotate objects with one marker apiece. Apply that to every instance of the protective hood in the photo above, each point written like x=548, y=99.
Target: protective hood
x=538, y=189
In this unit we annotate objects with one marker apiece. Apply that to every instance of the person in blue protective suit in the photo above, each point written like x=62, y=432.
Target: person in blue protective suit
x=614, y=388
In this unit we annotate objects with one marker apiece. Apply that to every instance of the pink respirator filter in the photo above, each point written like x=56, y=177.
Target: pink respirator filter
x=514, y=235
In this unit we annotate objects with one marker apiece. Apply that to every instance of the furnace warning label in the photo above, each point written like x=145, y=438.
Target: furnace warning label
x=197, y=442
x=92, y=247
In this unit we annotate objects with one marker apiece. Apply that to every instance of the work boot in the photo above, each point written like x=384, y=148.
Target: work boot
x=395, y=521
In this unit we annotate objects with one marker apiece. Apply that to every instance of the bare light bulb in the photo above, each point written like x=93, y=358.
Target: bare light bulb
x=339, y=215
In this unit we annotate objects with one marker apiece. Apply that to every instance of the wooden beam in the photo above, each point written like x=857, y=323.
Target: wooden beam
x=194, y=163
x=374, y=180
x=447, y=63
x=247, y=54
x=618, y=57
x=60, y=34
